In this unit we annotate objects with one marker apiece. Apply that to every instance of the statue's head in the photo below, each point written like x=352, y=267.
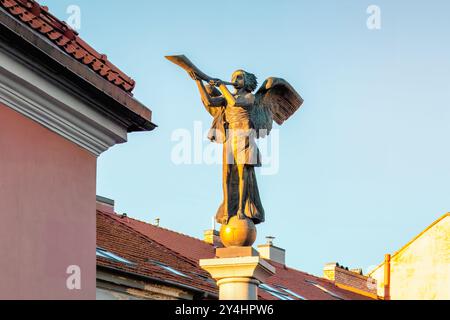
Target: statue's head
x=244, y=80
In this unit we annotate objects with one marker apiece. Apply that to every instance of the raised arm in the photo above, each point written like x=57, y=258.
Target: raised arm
x=207, y=100
x=244, y=101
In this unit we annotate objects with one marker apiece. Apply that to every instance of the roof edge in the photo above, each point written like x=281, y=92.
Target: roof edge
x=58, y=65
x=176, y=284
x=66, y=39
x=412, y=240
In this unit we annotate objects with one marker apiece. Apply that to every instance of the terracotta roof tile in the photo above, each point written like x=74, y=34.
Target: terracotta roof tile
x=304, y=284
x=187, y=246
x=38, y=18
x=128, y=243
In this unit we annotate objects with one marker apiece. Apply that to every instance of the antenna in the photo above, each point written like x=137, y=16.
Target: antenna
x=213, y=223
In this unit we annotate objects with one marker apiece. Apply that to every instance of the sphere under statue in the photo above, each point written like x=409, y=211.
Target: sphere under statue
x=238, y=233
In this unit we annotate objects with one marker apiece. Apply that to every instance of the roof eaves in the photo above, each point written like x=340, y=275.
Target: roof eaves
x=37, y=17
x=56, y=64
x=158, y=280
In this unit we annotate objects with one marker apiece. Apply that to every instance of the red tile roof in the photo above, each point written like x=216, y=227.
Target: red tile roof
x=120, y=239
x=169, y=245
x=187, y=246
x=66, y=39
x=306, y=285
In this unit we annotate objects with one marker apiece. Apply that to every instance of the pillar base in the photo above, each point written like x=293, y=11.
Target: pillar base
x=238, y=277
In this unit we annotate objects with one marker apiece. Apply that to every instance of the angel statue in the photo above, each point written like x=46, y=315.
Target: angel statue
x=241, y=117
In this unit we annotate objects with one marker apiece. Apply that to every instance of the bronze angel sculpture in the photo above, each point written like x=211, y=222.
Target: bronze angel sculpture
x=240, y=118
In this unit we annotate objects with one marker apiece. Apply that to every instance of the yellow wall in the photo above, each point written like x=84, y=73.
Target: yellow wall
x=421, y=269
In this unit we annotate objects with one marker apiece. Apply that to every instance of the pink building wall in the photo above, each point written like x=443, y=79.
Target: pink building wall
x=47, y=212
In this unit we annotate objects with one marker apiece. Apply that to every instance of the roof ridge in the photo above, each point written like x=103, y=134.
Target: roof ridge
x=412, y=240
x=177, y=254
x=169, y=230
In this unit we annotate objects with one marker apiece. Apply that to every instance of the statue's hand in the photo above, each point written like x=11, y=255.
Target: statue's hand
x=215, y=82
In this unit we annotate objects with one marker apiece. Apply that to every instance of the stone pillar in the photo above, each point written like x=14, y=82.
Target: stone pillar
x=238, y=272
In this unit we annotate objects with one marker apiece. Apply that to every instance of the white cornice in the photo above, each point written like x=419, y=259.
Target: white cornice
x=26, y=89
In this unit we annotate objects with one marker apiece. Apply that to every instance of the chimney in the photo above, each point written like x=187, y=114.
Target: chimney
x=157, y=222
x=212, y=237
x=329, y=270
x=351, y=280
x=105, y=204
x=270, y=252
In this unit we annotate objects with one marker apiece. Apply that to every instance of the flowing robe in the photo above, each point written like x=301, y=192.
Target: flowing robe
x=239, y=148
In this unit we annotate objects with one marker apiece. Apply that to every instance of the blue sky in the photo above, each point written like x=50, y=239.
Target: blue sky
x=364, y=166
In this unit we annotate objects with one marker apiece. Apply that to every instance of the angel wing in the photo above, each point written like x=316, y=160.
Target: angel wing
x=277, y=101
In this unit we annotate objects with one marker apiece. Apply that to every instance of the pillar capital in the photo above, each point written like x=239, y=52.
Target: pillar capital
x=238, y=278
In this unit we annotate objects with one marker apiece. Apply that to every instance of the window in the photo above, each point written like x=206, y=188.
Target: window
x=111, y=256
x=274, y=292
x=170, y=269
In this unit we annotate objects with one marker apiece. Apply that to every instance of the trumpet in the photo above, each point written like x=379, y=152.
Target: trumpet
x=183, y=62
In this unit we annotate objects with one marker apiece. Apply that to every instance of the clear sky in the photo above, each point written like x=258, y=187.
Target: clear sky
x=364, y=166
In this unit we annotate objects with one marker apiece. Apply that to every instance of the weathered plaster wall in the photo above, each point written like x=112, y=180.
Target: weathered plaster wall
x=47, y=212
x=422, y=269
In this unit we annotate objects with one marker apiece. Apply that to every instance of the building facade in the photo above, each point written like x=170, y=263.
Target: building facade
x=62, y=104
x=421, y=269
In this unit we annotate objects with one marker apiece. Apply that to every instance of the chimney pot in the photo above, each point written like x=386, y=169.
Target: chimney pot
x=270, y=240
x=358, y=271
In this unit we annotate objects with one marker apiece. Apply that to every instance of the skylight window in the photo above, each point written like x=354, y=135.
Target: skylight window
x=274, y=292
x=292, y=293
x=111, y=256
x=170, y=269
x=325, y=290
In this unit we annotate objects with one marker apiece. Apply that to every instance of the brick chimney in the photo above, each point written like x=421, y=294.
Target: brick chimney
x=270, y=252
x=351, y=280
